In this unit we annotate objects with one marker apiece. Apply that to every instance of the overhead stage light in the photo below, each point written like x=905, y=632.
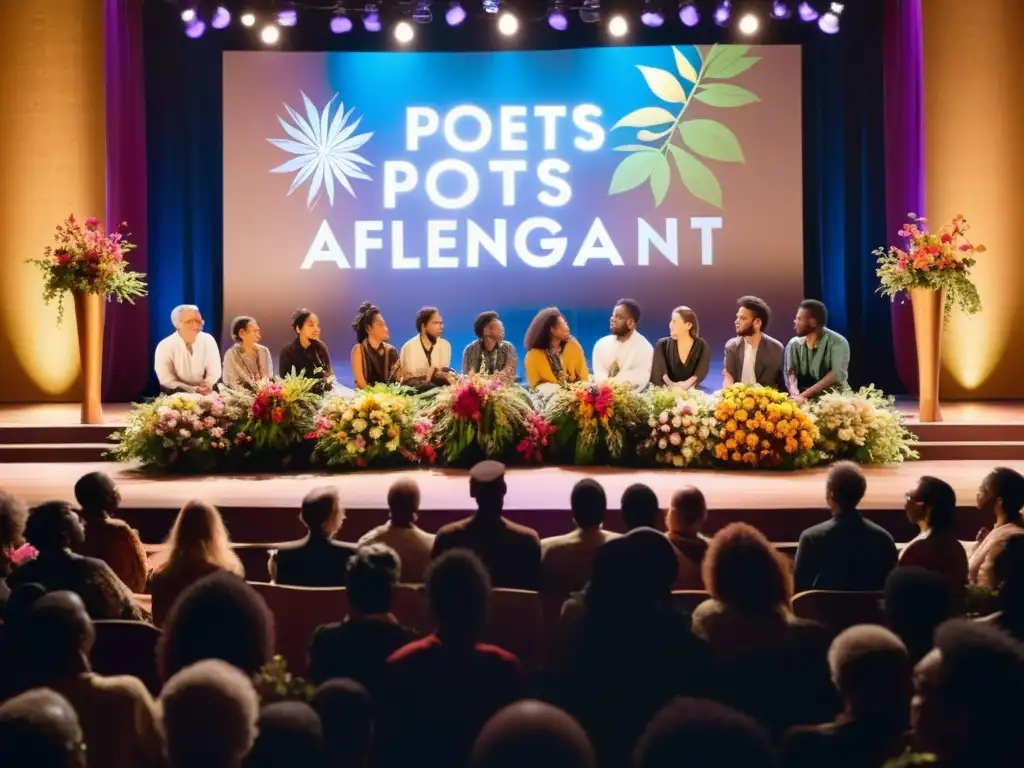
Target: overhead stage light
x=829, y=23
x=188, y=15
x=270, y=34
x=288, y=18
x=688, y=14
x=781, y=10
x=807, y=12
x=195, y=28
x=652, y=15
x=421, y=13
x=557, y=18
x=508, y=24
x=404, y=32
x=749, y=23
x=341, y=23
x=618, y=26
x=723, y=12
x=455, y=14
x=590, y=11
x=371, y=18
x=247, y=19
x=221, y=17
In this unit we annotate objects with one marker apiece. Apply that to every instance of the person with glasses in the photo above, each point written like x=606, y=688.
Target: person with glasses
x=188, y=360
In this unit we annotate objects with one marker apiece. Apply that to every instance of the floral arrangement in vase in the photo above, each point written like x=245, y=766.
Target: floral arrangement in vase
x=85, y=259
x=482, y=416
x=182, y=432
x=940, y=260
x=595, y=419
x=760, y=427
x=683, y=434
x=375, y=426
x=863, y=426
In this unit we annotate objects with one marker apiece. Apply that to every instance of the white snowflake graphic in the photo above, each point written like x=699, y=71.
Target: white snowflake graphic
x=324, y=149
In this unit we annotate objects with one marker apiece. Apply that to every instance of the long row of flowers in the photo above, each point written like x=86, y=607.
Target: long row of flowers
x=285, y=424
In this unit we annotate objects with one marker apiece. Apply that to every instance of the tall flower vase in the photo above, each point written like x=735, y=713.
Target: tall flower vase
x=89, y=313
x=927, y=306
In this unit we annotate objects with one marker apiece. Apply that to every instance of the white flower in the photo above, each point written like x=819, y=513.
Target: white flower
x=172, y=423
x=677, y=422
x=663, y=418
x=348, y=415
x=663, y=443
x=325, y=149
x=704, y=433
x=184, y=433
x=688, y=453
x=845, y=434
x=675, y=439
x=359, y=425
x=375, y=433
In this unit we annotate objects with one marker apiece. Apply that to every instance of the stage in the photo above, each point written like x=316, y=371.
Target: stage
x=36, y=441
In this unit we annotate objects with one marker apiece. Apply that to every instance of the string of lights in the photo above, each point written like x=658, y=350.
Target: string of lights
x=270, y=19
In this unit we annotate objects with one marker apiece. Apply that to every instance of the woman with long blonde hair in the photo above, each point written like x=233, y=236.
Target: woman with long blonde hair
x=197, y=546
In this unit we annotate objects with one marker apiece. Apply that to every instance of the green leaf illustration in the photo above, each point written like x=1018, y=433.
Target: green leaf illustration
x=635, y=148
x=726, y=54
x=645, y=135
x=660, y=178
x=633, y=171
x=663, y=84
x=712, y=140
x=723, y=70
x=725, y=95
x=684, y=67
x=697, y=177
x=645, y=118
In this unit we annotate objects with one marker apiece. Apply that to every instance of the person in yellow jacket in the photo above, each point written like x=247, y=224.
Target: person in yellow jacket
x=553, y=356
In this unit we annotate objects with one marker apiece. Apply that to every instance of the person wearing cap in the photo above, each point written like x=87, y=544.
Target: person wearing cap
x=510, y=551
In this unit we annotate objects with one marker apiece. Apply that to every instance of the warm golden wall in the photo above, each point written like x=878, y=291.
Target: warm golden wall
x=52, y=163
x=974, y=148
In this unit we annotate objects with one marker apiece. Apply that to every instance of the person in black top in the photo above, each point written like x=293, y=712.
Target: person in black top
x=317, y=560
x=681, y=359
x=359, y=646
x=307, y=356
x=374, y=361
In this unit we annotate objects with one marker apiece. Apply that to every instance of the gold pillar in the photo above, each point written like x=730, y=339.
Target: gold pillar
x=974, y=159
x=52, y=163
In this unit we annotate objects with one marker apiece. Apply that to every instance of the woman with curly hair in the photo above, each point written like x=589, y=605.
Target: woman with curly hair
x=490, y=354
x=553, y=356
x=197, y=546
x=374, y=361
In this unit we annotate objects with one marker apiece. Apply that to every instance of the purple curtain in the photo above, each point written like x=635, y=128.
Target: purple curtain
x=903, y=73
x=126, y=337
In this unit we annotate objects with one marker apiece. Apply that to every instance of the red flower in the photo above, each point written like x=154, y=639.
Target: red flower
x=946, y=238
x=92, y=223
x=278, y=415
x=467, y=404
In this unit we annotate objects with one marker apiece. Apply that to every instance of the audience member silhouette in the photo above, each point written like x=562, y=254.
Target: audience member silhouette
x=346, y=715
x=640, y=508
x=686, y=516
x=931, y=506
x=218, y=617
x=510, y=552
x=317, y=560
x=106, y=538
x=1008, y=576
x=917, y=601
x=289, y=733
x=401, y=533
x=13, y=515
x=40, y=729
x=359, y=646
x=567, y=560
x=532, y=733
x=210, y=711
x=1001, y=496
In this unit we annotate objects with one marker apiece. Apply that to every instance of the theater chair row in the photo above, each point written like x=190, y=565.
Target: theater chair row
x=521, y=621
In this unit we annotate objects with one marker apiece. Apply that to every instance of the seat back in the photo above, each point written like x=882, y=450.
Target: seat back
x=127, y=648
x=516, y=623
x=409, y=606
x=840, y=610
x=298, y=611
x=255, y=559
x=689, y=599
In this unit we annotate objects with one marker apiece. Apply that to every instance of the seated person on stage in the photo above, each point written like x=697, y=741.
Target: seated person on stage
x=374, y=361
x=553, y=356
x=248, y=362
x=307, y=356
x=624, y=356
x=188, y=360
x=427, y=359
x=490, y=354
x=681, y=359
x=817, y=358
x=753, y=357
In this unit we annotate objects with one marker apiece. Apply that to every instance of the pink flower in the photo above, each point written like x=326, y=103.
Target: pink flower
x=21, y=555
x=91, y=223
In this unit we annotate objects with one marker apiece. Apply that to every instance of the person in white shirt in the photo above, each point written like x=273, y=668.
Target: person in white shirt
x=753, y=357
x=625, y=356
x=188, y=360
x=427, y=358
x=401, y=533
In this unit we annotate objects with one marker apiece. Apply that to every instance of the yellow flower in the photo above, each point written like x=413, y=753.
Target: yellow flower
x=737, y=457
x=748, y=403
x=721, y=452
x=769, y=427
x=730, y=444
x=766, y=445
x=749, y=458
x=762, y=403
x=730, y=426
x=751, y=425
x=791, y=445
x=740, y=435
x=752, y=441
x=741, y=415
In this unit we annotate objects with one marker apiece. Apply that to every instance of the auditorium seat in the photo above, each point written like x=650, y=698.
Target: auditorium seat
x=255, y=559
x=127, y=648
x=689, y=599
x=516, y=624
x=298, y=611
x=840, y=610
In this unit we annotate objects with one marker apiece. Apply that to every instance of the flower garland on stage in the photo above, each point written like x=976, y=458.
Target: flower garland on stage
x=283, y=423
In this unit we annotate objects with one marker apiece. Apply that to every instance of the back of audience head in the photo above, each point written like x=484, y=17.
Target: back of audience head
x=53, y=526
x=289, y=733
x=217, y=617
x=210, y=711
x=699, y=733
x=687, y=512
x=322, y=512
x=845, y=487
x=40, y=729
x=967, y=705
x=916, y=602
x=744, y=571
x=404, y=502
x=13, y=516
x=487, y=486
x=934, y=502
x=531, y=733
x=640, y=507
x=56, y=637
x=20, y=602
x=588, y=503
x=371, y=573
x=459, y=592
x=96, y=494
x=199, y=535
x=871, y=669
x=1002, y=490
x=346, y=715
x=631, y=573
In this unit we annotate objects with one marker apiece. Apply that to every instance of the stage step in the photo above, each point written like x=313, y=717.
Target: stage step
x=35, y=434
x=959, y=432
x=978, y=450
x=37, y=453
